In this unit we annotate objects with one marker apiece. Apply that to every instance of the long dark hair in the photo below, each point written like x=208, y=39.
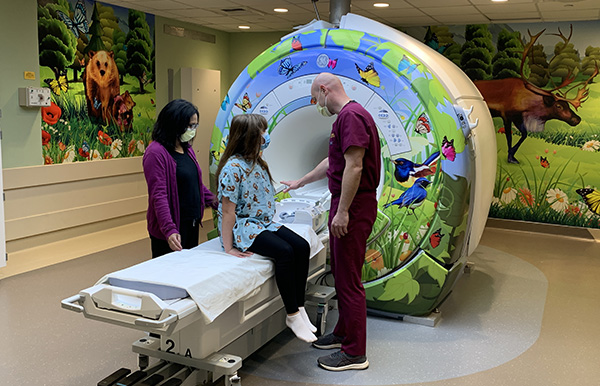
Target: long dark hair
x=245, y=137
x=173, y=120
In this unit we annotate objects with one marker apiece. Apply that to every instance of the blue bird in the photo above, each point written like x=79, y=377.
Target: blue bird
x=413, y=197
x=406, y=168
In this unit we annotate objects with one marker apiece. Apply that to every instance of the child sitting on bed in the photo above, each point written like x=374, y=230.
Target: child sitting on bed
x=247, y=206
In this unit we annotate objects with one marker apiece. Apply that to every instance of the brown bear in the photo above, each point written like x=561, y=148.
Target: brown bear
x=101, y=83
x=122, y=111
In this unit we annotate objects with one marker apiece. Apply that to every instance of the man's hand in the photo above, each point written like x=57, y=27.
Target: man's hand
x=339, y=224
x=175, y=242
x=291, y=185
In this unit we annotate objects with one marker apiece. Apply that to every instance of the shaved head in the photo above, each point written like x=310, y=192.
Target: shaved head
x=332, y=87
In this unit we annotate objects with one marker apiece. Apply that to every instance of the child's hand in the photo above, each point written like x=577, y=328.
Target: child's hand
x=236, y=252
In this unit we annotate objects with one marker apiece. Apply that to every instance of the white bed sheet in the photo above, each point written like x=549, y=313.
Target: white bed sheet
x=212, y=278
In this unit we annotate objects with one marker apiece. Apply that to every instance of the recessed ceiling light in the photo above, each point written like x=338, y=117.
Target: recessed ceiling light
x=243, y=27
x=282, y=10
x=381, y=5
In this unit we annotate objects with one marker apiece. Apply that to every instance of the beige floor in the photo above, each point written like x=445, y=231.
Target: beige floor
x=44, y=345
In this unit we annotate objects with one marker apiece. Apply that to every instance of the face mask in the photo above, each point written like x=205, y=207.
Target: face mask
x=267, y=139
x=188, y=135
x=323, y=110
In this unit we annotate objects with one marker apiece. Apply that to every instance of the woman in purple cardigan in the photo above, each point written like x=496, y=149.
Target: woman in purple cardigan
x=176, y=195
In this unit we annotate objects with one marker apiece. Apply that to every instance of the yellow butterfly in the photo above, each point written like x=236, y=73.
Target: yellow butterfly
x=58, y=85
x=217, y=153
x=245, y=103
x=369, y=75
x=592, y=198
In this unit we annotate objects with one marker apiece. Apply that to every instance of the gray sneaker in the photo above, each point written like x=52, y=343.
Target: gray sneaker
x=327, y=342
x=340, y=361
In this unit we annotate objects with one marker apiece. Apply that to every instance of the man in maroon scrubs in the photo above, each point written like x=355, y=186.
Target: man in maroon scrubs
x=353, y=168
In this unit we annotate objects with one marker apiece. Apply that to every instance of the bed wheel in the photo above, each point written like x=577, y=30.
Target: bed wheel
x=233, y=380
x=143, y=361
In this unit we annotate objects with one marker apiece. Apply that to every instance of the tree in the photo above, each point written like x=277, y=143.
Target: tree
x=109, y=23
x=566, y=62
x=538, y=65
x=57, y=44
x=476, y=53
x=96, y=43
x=118, y=49
x=138, y=48
x=447, y=46
x=591, y=60
x=507, y=61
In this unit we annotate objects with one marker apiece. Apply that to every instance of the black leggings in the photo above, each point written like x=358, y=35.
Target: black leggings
x=290, y=253
x=189, y=238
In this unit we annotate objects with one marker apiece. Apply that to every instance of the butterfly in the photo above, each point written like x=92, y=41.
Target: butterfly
x=406, y=65
x=432, y=41
x=58, y=85
x=225, y=103
x=332, y=63
x=448, y=149
x=296, y=44
x=79, y=22
x=217, y=153
x=245, y=103
x=423, y=125
x=286, y=68
x=592, y=198
x=544, y=162
x=436, y=238
x=369, y=75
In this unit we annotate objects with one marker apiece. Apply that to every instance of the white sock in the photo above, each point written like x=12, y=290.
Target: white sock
x=300, y=328
x=306, y=319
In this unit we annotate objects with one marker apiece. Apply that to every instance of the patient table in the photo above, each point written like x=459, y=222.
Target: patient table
x=204, y=310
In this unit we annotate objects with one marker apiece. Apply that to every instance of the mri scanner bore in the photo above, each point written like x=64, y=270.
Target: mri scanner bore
x=426, y=219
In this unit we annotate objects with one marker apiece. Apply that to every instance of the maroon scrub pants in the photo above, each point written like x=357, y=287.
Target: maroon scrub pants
x=347, y=259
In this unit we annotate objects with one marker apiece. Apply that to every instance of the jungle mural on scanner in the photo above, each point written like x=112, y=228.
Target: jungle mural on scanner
x=98, y=61
x=541, y=84
x=413, y=253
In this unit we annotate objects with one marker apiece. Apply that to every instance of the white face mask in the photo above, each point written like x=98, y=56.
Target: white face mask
x=323, y=110
x=188, y=135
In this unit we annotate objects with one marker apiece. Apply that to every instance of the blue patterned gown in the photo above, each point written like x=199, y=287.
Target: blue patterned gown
x=252, y=192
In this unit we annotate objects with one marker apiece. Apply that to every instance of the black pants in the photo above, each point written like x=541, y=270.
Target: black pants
x=290, y=253
x=188, y=229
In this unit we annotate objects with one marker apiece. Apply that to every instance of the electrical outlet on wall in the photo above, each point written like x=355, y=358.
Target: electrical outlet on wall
x=34, y=96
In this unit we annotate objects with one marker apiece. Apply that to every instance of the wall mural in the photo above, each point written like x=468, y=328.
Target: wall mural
x=541, y=84
x=98, y=61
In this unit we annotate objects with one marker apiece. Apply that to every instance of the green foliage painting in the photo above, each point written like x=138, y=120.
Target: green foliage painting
x=98, y=61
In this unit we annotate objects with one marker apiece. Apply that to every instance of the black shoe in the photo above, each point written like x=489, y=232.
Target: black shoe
x=328, y=341
x=340, y=361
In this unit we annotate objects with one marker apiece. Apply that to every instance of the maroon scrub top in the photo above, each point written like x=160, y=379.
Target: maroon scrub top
x=354, y=126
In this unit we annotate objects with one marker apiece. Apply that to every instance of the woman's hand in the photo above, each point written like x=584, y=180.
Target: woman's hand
x=236, y=252
x=175, y=242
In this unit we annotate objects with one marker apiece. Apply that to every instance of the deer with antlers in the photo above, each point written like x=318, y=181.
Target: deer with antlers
x=518, y=101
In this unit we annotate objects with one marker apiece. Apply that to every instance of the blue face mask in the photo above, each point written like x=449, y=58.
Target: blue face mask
x=267, y=139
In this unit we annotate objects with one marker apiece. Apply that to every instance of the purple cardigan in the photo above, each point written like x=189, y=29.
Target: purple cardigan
x=160, y=170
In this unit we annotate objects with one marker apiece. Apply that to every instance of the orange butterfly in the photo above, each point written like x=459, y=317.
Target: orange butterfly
x=245, y=103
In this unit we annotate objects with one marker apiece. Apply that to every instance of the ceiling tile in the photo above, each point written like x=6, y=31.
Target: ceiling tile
x=437, y=3
x=512, y=2
x=569, y=7
x=208, y=3
x=415, y=20
x=570, y=15
x=515, y=17
x=368, y=4
x=194, y=12
x=507, y=8
x=405, y=13
x=462, y=19
x=458, y=10
x=164, y=5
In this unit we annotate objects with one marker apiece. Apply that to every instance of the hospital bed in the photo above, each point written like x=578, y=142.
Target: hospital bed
x=203, y=310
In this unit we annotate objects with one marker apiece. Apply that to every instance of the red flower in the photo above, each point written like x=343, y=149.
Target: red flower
x=48, y=160
x=501, y=130
x=104, y=138
x=45, y=138
x=131, y=146
x=84, y=154
x=107, y=155
x=51, y=114
x=61, y=146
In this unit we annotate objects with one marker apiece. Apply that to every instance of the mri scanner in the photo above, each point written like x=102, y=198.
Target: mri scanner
x=204, y=317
